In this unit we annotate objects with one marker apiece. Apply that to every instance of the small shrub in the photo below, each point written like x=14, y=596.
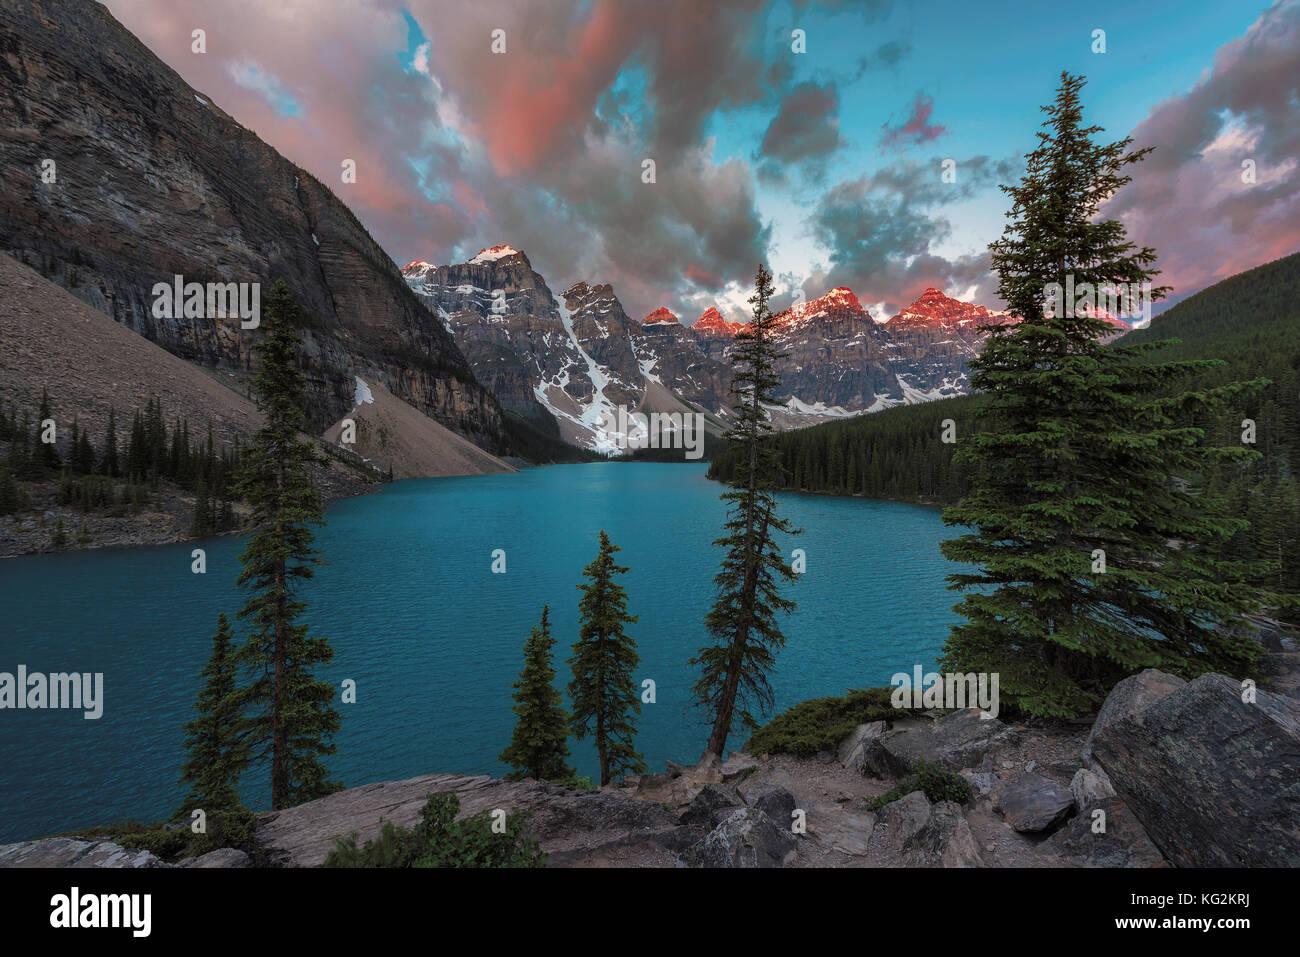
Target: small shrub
x=937, y=783
x=439, y=840
x=822, y=723
x=174, y=842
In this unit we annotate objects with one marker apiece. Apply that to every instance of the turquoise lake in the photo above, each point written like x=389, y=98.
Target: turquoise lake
x=433, y=638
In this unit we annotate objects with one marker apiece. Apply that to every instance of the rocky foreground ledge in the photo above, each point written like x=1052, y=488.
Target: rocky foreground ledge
x=1179, y=773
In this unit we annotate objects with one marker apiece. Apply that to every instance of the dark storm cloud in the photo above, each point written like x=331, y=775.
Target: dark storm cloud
x=806, y=127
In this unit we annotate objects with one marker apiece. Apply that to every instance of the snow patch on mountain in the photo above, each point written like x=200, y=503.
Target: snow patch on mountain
x=492, y=253
x=600, y=411
x=362, y=394
x=818, y=408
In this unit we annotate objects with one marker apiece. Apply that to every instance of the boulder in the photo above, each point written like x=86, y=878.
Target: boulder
x=1214, y=780
x=958, y=740
x=899, y=821
x=912, y=832
x=945, y=840
x=778, y=804
x=852, y=750
x=1122, y=843
x=73, y=852
x=1090, y=788
x=713, y=803
x=982, y=782
x=1032, y=804
x=745, y=838
x=1130, y=696
x=839, y=829
x=222, y=857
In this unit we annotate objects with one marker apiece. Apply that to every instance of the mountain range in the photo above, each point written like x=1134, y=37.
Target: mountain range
x=578, y=356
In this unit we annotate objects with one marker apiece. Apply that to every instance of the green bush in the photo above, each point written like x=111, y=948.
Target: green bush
x=822, y=723
x=439, y=840
x=231, y=828
x=938, y=784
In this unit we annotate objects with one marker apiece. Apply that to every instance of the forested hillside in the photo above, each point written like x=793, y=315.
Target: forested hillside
x=1251, y=322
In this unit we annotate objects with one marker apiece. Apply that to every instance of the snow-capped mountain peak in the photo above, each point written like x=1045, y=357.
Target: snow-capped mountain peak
x=493, y=253
x=838, y=302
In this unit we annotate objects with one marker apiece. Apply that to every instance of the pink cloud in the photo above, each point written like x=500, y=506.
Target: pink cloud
x=916, y=128
x=1206, y=214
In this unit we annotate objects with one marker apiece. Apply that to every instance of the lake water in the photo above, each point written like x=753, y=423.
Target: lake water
x=433, y=638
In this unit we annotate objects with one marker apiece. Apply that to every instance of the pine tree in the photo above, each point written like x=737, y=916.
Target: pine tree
x=155, y=437
x=46, y=454
x=74, y=448
x=203, y=522
x=293, y=720
x=84, y=454
x=1078, y=461
x=539, y=747
x=742, y=621
x=137, y=456
x=213, y=742
x=604, y=657
x=108, y=464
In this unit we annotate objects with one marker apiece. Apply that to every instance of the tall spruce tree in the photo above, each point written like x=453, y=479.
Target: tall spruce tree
x=292, y=720
x=108, y=464
x=539, y=747
x=742, y=621
x=1095, y=553
x=604, y=656
x=47, y=454
x=213, y=740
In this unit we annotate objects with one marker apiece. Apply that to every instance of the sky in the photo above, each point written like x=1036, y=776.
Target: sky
x=810, y=136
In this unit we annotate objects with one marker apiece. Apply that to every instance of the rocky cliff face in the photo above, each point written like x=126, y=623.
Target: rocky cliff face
x=672, y=355
x=151, y=180
x=573, y=359
x=603, y=331
x=506, y=319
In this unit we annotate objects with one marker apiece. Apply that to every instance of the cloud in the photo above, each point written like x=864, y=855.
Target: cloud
x=923, y=184
x=1188, y=199
x=533, y=103
x=887, y=56
x=806, y=127
x=540, y=146
x=250, y=76
x=916, y=129
x=881, y=231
